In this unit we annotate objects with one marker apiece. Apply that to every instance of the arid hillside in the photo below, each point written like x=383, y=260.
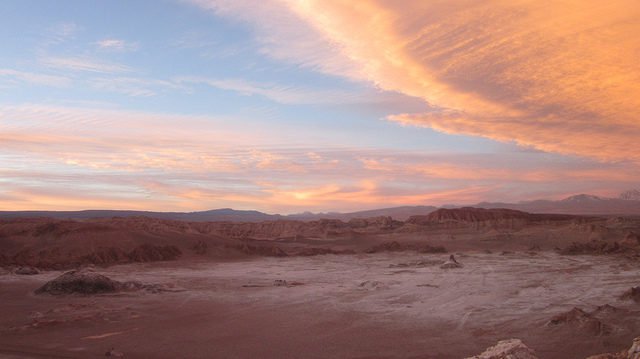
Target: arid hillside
x=54, y=243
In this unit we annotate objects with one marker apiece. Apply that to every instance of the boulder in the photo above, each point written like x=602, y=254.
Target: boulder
x=79, y=282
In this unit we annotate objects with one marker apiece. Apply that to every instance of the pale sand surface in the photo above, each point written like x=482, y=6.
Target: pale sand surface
x=348, y=306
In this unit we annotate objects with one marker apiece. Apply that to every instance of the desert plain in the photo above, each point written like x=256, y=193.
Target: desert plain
x=366, y=288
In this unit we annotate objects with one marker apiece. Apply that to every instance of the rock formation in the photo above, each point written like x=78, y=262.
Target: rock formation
x=631, y=353
x=582, y=320
x=507, y=349
x=632, y=294
x=88, y=282
x=593, y=247
x=80, y=282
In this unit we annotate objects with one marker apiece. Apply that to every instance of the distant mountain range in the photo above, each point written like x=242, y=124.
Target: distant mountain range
x=628, y=203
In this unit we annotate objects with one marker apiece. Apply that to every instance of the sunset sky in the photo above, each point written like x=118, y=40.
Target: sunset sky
x=315, y=105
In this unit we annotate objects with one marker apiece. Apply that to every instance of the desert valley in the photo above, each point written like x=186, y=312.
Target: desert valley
x=447, y=284
x=320, y=179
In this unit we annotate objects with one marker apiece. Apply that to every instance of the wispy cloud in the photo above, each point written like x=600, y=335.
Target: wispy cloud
x=13, y=76
x=116, y=45
x=283, y=35
x=555, y=76
x=60, y=33
x=83, y=64
x=136, y=87
x=281, y=93
x=171, y=161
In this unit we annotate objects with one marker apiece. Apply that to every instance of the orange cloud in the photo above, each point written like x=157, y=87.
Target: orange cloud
x=82, y=158
x=559, y=76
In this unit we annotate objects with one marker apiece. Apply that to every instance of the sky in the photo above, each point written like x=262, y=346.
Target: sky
x=287, y=106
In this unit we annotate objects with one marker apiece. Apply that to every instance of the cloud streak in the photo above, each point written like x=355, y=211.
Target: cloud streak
x=83, y=64
x=116, y=45
x=33, y=78
x=559, y=76
x=281, y=93
x=140, y=160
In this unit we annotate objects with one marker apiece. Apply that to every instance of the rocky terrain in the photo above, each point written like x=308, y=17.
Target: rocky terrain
x=444, y=285
x=60, y=244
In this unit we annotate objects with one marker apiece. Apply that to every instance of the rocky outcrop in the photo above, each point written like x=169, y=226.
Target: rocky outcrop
x=88, y=282
x=596, y=247
x=507, y=349
x=632, y=294
x=57, y=258
x=483, y=217
x=471, y=214
x=141, y=227
x=631, y=353
x=282, y=229
x=634, y=351
x=79, y=282
x=380, y=223
x=579, y=319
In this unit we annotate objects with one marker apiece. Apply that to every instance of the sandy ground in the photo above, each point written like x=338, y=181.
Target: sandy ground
x=384, y=305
